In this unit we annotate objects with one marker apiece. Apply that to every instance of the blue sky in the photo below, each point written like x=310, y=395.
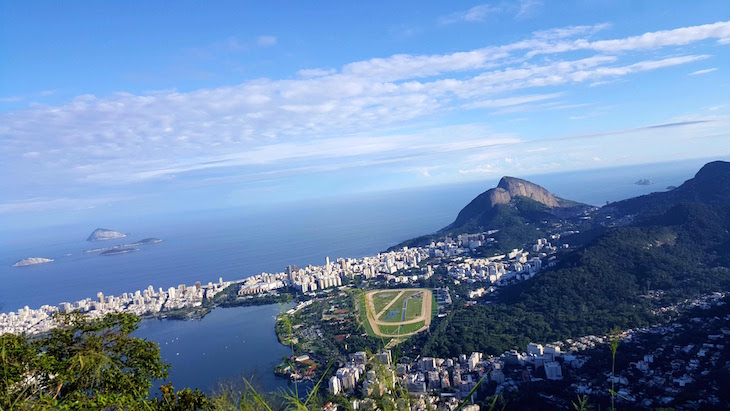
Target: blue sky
x=150, y=105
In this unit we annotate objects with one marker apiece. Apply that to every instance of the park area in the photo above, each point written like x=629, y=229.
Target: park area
x=399, y=313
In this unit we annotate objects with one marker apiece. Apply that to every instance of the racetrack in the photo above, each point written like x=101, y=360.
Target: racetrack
x=375, y=322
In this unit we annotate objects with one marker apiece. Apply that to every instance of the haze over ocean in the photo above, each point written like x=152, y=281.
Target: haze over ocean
x=237, y=243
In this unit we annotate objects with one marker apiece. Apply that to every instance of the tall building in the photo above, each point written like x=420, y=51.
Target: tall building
x=474, y=359
x=553, y=371
x=334, y=385
x=384, y=357
x=534, y=349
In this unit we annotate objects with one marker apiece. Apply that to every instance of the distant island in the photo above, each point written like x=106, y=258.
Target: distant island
x=644, y=182
x=117, y=251
x=101, y=234
x=145, y=241
x=671, y=187
x=32, y=261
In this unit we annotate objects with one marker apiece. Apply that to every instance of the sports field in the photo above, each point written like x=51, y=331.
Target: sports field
x=400, y=312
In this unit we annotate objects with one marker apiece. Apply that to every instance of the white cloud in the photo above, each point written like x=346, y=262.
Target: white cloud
x=315, y=72
x=474, y=14
x=657, y=39
x=11, y=99
x=705, y=71
x=311, y=121
x=513, y=101
x=570, y=31
x=266, y=41
x=46, y=204
x=482, y=169
x=528, y=8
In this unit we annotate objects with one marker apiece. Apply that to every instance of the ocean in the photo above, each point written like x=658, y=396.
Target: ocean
x=238, y=243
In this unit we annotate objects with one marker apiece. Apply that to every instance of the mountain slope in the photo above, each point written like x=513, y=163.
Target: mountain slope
x=517, y=208
x=711, y=185
x=481, y=210
x=678, y=249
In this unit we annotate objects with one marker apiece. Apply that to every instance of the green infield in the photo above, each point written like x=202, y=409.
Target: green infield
x=413, y=307
x=394, y=330
x=382, y=299
x=394, y=313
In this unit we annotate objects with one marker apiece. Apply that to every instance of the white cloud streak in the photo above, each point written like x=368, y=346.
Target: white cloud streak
x=474, y=14
x=705, y=71
x=528, y=8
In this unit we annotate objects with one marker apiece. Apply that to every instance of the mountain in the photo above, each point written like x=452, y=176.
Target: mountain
x=677, y=247
x=517, y=208
x=514, y=200
x=101, y=234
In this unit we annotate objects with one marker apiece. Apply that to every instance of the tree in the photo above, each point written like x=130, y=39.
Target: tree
x=83, y=364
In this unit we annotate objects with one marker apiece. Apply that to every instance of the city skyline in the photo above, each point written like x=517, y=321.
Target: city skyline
x=105, y=106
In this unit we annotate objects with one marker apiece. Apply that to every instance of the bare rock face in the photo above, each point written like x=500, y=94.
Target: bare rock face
x=518, y=187
x=499, y=196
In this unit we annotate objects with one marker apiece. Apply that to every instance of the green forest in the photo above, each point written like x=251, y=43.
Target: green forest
x=615, y=280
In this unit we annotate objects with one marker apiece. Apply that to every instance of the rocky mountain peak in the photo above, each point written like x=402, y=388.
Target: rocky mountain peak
x=519, y=187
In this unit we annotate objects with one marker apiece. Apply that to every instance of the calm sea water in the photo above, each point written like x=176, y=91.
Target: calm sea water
x=238, y=243
x=225, y=346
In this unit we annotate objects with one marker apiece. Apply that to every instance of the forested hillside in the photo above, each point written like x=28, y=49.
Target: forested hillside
x=617, y=279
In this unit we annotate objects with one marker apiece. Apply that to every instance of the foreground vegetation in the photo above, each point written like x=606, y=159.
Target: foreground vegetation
x=97, y=365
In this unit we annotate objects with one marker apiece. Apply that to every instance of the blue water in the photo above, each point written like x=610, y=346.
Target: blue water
x=225, y=346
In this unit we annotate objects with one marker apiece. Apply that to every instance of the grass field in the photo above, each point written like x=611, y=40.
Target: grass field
x=406, y=329
x=364, y=315
x=389, y=329
x=380, y=300
x=395, y=312
x=410, y=328
x=413, y=309
x=434, y=306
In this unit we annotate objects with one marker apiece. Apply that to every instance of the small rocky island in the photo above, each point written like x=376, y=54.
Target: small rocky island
x=101, y=234
x=644, y=182
x=117, y=251
x=145, y=241
x=32, y=261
